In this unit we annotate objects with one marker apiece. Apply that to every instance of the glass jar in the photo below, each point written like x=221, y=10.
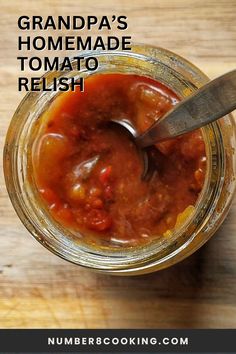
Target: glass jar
x=211, y=207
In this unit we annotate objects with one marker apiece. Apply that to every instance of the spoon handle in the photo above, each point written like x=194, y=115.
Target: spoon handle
x=211, y=102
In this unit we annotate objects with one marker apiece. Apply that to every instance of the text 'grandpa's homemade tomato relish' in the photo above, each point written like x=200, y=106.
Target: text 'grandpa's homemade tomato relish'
x=88, y=171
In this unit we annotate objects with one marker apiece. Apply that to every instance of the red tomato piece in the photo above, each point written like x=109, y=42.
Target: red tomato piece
x=97, y=203
x=105, y=175
x=64, y=213
x=98, y=220
x=108, y=193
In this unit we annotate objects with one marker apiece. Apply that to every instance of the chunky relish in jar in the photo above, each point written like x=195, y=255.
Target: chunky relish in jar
x=88, y=171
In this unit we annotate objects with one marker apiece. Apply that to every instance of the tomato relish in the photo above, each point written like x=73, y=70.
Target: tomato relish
x=88, y=171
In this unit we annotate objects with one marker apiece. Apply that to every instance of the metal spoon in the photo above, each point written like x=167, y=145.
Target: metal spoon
x=211, y=102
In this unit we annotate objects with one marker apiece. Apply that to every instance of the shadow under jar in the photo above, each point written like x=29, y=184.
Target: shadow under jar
x=196, y=228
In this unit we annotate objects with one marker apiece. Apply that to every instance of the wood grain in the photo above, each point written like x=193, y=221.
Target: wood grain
x=37, y=289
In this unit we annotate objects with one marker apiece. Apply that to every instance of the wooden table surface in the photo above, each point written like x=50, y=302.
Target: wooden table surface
x=37, y=289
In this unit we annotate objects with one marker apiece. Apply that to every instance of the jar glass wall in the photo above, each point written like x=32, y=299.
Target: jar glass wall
x=212, y=205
